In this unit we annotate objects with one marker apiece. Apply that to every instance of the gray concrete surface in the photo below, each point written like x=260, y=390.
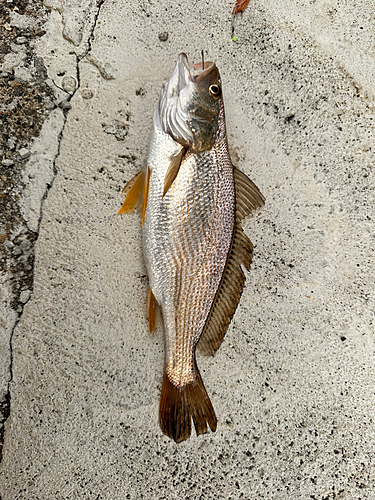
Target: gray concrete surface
x=293, y=383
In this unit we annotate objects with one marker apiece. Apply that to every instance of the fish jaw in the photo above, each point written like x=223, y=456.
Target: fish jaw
x=187, y=111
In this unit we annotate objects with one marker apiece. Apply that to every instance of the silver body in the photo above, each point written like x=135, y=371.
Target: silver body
x=186, y=239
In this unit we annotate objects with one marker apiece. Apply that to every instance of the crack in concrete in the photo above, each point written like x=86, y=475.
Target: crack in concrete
x=5, y=404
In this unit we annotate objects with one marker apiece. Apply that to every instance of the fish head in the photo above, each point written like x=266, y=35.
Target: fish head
x=190, y=104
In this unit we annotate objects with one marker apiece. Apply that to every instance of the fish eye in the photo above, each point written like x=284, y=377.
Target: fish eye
x=215, y=91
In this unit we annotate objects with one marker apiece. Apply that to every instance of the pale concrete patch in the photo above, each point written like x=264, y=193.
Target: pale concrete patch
x=39, y=171
x=8, y=318
x=58, y=55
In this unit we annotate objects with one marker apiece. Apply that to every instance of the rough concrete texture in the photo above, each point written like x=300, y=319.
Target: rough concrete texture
x=25, y=102
x=293, y=383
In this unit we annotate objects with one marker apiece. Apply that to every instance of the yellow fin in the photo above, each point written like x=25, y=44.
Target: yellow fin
x=173, y=169
x=145, y=194
x=152, y=305
x=133, y=191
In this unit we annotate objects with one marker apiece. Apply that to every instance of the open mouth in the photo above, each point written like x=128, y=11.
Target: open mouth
x=196, y=71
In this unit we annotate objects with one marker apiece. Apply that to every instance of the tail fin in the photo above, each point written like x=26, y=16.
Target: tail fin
x=178, y=405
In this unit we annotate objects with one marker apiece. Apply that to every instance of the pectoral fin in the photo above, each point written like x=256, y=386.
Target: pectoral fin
x=172, y=171
x=133, y=191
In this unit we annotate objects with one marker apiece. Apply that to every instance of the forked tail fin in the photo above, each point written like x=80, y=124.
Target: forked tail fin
x=178, y=405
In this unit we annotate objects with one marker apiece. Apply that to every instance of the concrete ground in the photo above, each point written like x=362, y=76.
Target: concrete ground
x=293, y=382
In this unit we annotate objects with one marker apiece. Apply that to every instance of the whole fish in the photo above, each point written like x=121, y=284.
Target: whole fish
x=192, y=200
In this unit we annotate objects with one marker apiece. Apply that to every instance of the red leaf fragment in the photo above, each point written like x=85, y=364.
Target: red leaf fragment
x=240, y=5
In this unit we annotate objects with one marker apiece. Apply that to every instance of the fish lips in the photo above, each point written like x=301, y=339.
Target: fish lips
x=194, y=126
x=196, y=71
x=184, y=72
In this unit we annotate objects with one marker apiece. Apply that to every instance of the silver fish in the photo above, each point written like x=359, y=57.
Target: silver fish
x=193, y=200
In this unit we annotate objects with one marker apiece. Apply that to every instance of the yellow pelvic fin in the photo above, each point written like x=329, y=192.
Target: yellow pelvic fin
x=152, y=305
x=145, y=194
x=173, y=169
x=133, y=191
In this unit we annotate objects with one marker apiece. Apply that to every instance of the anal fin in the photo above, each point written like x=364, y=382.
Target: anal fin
x=180, y=405
x=133, y=191
x=173, y=169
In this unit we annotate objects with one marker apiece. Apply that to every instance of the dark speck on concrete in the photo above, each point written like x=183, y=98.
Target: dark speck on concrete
x=163, y=37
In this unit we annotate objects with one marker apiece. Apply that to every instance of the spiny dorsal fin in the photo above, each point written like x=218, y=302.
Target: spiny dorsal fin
x=173, y=169
x=180, y=405
x=133, y=191
x=152, y=305
x=145, y=194
x=248, y=196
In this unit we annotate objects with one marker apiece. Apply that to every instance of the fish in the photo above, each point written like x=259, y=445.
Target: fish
x=192, y=200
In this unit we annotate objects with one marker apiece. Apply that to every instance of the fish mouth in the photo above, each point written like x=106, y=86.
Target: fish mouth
x=196, y=71
x=184, y=73
x=182, y=111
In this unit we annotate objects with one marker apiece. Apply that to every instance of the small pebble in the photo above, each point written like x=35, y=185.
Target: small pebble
x=69, y=84
x=24, y=153
x=17, y=250
x=65, y=105
x=25, y=244
x=7, y=162
x=21, y=39
x=105, y=69
x=87, y=93
x=24, y=296
x=163, y=37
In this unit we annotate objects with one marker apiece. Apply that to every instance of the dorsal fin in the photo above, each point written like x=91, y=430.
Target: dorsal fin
x=133, y=191
x=248, y=197
x=228, y=293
